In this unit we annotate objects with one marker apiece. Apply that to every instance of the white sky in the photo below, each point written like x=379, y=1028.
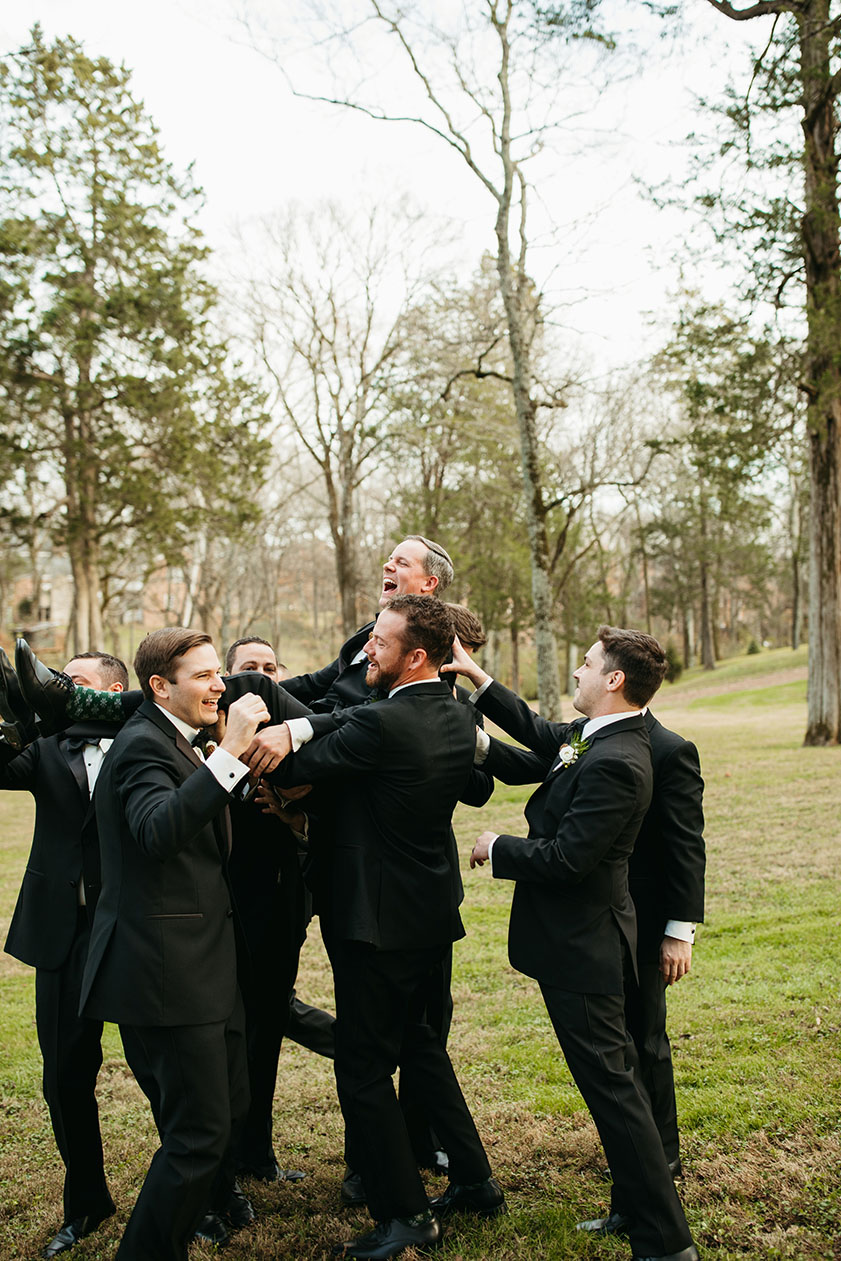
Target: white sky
x=221, y=105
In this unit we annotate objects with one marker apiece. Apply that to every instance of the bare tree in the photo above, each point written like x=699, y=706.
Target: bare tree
x=327, y=319
x=488, y=87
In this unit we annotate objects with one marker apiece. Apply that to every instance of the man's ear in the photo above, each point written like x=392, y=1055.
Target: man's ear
x=616, y=681
x=159, y=686
x=430, y=584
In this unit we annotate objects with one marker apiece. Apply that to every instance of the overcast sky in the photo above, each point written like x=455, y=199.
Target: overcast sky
x=224, y=107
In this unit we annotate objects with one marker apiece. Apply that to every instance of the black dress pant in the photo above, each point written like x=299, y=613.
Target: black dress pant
x=196, y=1080
x=274, y=932
x=71, y=1047
x=380, y=1000
x=601, y=1057
x=645, y=1013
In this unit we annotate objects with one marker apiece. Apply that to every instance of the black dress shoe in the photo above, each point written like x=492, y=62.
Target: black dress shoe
x=485, y=1199
x=46, y=691
x=72, y=1232
x=689, y=1253
x=13, y=706
x=352, y=1192
x=239, y=1211
x=613, y=1224
x=389, y=1239
x=213, y=1230
x=676, y=1168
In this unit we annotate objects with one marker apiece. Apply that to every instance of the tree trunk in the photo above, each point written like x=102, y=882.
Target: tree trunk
x=707, y=642
x=823, y=309
x=796, y=614
x=515, y=657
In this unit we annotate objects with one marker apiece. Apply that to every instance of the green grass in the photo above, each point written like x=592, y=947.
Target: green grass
x=755, y=1031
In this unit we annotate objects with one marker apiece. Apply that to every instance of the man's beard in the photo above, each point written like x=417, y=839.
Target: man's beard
x=381, y=683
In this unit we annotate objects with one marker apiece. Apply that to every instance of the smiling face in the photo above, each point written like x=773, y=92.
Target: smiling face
x=404, y=573
x=387, y=656
x=259, y=657
x=193, y=694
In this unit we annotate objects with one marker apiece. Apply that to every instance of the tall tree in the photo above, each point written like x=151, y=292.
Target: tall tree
x=111, y=381
x=797, y=77
x=480, y=77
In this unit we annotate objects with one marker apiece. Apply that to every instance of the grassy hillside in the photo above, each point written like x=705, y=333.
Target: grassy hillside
x=755, y=1030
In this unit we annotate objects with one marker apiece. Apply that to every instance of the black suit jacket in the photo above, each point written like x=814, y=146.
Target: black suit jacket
x=339, y=685
x=64, y=847
x=572, y=916
x=397, y=768
x=666, y=871
x=162, y=945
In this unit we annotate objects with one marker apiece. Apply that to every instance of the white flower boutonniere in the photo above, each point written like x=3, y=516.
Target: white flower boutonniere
x=569, y=753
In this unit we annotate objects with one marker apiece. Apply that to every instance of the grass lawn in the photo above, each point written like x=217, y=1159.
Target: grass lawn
x=755, y=1031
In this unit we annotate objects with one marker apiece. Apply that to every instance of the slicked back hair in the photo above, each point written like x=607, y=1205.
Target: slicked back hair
x=639, y=656
x=429, y=625
x=230, y=655
x=111, y=669
x=436, y=562
x=160, y=651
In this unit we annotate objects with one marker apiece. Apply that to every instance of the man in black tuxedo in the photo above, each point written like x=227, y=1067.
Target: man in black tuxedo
x=162, y=960
x=572, y=924
x=273, y=906
x=50, y=930
x=400, y=766
x=416, y=566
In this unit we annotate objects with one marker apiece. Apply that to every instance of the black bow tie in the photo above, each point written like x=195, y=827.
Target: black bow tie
x=76, y=746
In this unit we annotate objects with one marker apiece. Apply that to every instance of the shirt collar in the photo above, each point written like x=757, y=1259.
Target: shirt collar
x=179, y=724
x=592, y=725
x=414, y=683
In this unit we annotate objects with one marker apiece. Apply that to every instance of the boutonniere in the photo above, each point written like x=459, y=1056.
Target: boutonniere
x=569, y=753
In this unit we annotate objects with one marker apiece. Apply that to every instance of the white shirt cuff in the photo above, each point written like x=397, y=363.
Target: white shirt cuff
x=483, y=747
x=681, y=929
x=226, y=769
x=491, y=851
x=474, y=695
x=301, y=732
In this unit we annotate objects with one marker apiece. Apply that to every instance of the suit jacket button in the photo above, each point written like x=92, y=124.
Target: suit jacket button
x=229, y=912
x=72, y=884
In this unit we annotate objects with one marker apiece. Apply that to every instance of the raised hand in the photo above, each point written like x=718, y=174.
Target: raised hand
x=244, y=717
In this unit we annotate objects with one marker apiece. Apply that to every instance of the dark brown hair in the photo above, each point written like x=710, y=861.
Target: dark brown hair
x=161, y=649
x=111, y=669
x=429, y=625
x=467, y=626
x=639, y=656
x=230, y=655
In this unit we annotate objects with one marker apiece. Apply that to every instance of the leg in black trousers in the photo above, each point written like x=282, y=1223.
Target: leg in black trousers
x=601, y=1057
x=71, y=1047
x=438, y=1014
x=645, y=1012
x=379, y=1005
x=195, y=1077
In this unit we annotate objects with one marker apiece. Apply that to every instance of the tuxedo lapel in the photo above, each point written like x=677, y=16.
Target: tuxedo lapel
x=76, y=765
